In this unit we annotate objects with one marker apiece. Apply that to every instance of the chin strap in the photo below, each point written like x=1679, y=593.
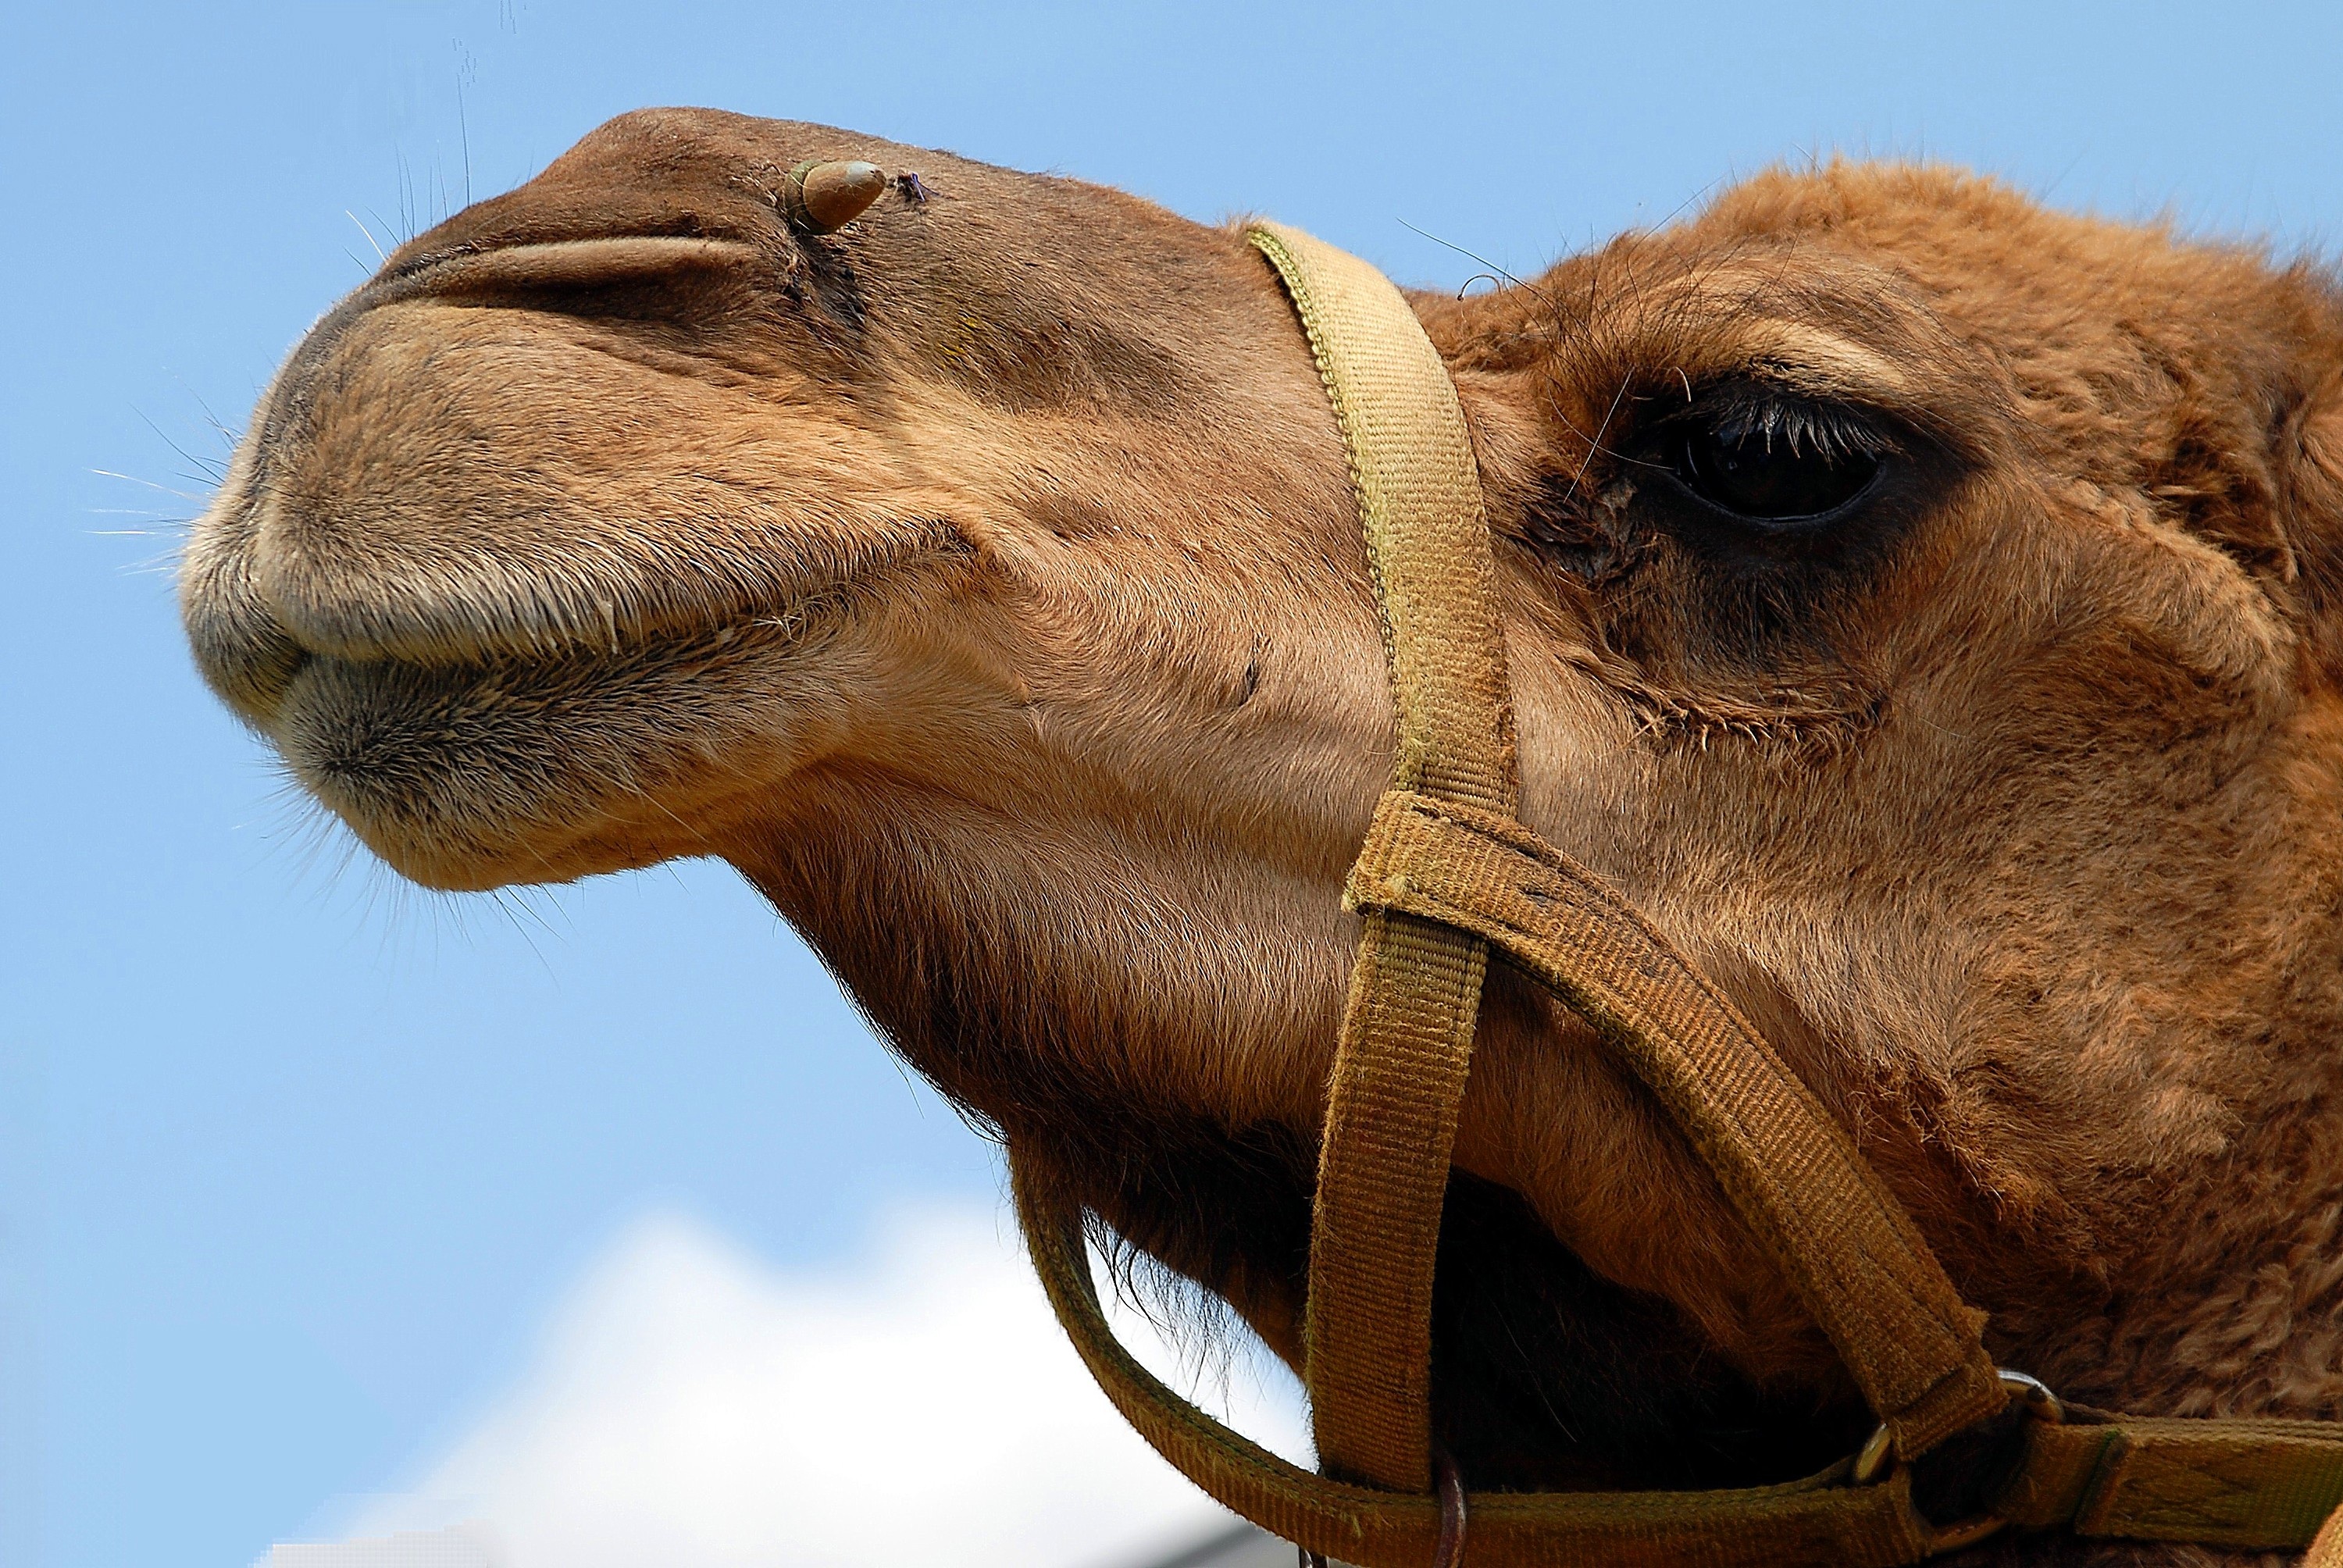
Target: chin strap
x=1447, y=875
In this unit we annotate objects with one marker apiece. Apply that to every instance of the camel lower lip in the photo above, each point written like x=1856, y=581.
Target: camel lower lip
x=469, y=777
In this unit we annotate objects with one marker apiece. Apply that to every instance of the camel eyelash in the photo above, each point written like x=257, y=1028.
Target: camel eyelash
x=1740, y=412
x=1768, y=461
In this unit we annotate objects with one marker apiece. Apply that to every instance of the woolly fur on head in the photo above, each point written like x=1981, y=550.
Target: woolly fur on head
x=981, y=578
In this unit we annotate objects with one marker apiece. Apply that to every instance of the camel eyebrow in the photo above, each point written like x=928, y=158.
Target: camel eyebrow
x=1814, y=363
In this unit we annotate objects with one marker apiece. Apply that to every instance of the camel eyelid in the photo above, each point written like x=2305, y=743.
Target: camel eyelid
x=1752, y=405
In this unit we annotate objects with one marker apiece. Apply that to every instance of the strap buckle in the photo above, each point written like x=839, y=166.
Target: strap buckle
x=1872, y=1459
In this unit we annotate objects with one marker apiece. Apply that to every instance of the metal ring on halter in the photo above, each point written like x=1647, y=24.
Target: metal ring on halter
x=1871, y=1459
x=2040, y=1402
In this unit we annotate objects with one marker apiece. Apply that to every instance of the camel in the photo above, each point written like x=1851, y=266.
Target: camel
x=1928, y=607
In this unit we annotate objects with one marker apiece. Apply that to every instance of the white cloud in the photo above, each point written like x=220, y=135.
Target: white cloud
x=458, y=1546
x=694, y=1407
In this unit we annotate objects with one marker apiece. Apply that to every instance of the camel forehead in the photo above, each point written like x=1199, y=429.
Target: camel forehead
x=1995, y=266
x=1905, y=215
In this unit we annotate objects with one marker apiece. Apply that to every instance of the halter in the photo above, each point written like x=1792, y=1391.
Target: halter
x=1448, y=875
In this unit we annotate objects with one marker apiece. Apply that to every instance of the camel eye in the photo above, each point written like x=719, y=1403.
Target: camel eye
x=1775, y=465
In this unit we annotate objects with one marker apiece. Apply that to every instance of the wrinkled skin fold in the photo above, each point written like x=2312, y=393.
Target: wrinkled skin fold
x=1921, y=604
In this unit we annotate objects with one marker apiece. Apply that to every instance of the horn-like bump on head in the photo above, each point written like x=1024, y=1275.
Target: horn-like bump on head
x=827, y=195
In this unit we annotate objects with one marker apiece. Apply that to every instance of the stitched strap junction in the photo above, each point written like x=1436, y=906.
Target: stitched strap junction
x=2245, y=1482
x=1406, y=1039
x=1855, y=1257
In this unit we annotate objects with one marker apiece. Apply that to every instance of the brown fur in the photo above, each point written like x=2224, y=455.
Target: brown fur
x=981, y=580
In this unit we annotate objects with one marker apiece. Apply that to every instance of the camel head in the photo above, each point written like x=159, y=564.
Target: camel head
x=1923, y=606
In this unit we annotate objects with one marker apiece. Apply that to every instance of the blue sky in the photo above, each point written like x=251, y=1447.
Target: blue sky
x=294, y=1163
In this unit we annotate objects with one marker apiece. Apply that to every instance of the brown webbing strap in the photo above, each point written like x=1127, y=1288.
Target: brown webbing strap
x=1383, y=1174
x=1855, y=1257
x=1818, y=1519
x=1401, y=1064
x=2250, y=1484
x=2242, y=1481
x=1419, y=494
x=1406, y=1041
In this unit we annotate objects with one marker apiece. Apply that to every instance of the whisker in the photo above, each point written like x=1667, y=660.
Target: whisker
x=133, y=480
x=380, y=257
x=1600, y=431
x=216, y=470
x=1495, y=270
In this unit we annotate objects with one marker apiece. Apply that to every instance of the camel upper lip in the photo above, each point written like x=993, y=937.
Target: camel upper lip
x=259, y=603
x=505, y=267
x=252, y=654
x=254, y=665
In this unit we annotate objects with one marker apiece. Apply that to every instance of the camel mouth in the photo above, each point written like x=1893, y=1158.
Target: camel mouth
x=254, y=653
x=497, y=501
x=465, y=778
x=468, y=762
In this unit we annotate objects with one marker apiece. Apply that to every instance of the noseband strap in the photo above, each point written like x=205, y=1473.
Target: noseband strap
x=1449, y=875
